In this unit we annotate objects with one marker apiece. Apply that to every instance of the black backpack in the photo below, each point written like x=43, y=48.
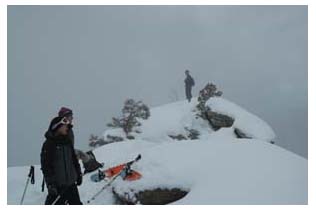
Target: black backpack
x=92, y=164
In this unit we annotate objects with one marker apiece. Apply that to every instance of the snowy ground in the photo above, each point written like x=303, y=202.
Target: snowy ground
x=216, y=169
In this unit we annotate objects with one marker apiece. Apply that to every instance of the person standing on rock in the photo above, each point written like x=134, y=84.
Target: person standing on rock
x=189, y=83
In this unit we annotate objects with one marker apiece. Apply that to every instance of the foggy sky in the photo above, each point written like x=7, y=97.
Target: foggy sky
x=92, y=58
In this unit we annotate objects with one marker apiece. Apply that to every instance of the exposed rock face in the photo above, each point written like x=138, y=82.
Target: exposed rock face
x=130, y=137
x=150, y=197
x=112, y=139
x=191, y=134
x=218, y=121
x=240, y=134
x=178, y=137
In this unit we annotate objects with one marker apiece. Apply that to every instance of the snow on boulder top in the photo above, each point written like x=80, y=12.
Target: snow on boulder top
x=168, y=119
x=173, y=118
x=220, y=171
x=252, y=125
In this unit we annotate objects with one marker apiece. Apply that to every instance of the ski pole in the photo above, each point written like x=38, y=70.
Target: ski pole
x=59, y=196
x=30, y=176
x=56, y=200
x=105, y=186
x=43, y=184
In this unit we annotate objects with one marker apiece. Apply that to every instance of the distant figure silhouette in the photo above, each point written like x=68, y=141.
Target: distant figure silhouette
x=189, y=83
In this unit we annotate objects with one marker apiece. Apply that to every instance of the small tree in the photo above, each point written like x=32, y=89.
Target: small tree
x=210, y=90
x=95, y=141
x=131, y=112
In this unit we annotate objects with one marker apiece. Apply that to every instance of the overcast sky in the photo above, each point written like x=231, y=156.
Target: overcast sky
x=91, y=58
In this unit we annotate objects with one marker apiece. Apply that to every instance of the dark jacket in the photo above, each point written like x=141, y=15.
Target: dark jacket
x=71, y=135
x=189, y=82
x=58, y=161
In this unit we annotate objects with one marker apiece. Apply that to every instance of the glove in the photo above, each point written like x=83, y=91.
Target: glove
x=79, y=180
x=52, y=190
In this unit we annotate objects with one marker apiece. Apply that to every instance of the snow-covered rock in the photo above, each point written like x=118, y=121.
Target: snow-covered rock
x=248, y=123
x=172, y=119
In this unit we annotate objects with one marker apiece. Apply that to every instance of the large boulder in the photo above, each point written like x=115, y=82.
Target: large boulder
x=240, y=134
x=218, y=120
x=178, y=137
x=149, y=197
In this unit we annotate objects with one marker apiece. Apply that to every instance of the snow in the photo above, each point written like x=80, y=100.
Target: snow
x=216, y=169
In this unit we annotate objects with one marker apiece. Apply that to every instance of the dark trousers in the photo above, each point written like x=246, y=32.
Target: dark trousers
x=69, y=195
x=188, y=93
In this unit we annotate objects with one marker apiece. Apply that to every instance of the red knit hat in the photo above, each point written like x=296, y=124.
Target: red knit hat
x=64, y=112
